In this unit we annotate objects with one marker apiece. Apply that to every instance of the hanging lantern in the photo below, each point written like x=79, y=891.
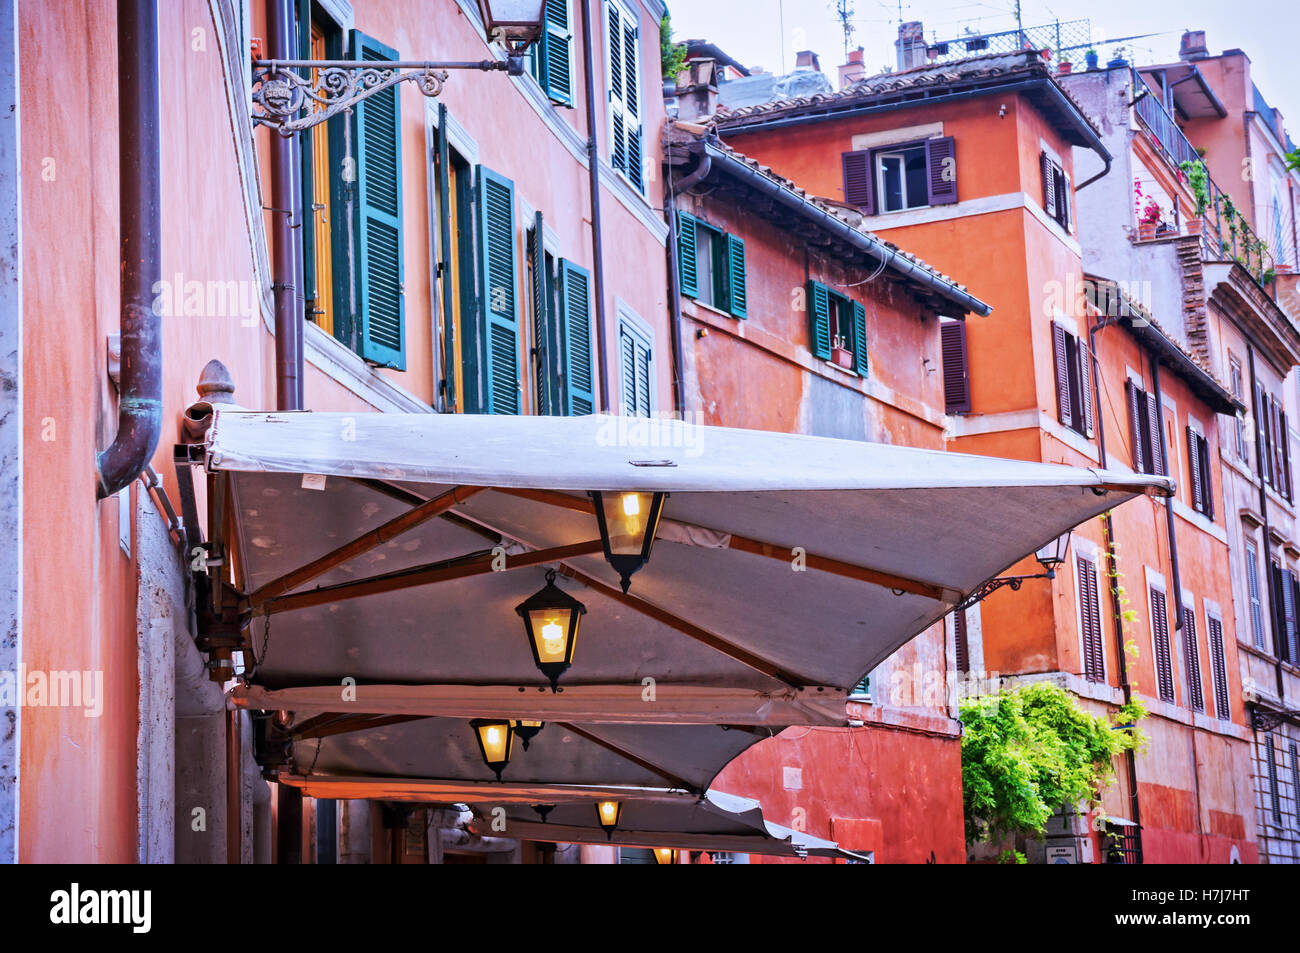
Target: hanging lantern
x=551, y=618
x=1052, y=554
x=628, y=522
x=542, y=810
x=495, y=739
x=526, y=731
x=608, y=812
x=665, y=855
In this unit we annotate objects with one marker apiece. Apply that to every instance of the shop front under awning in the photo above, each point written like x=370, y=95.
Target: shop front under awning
x=388, y=552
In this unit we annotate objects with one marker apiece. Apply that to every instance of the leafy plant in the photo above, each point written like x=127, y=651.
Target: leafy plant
x=1198, y=180
x=1292, y=159
x=1030, y=751
x=672, y=55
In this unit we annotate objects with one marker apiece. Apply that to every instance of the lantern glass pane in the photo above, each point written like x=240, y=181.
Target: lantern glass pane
x=550, y=628
x=609, y=811
x=627, y=516
x=664, y=855
x=496, y=742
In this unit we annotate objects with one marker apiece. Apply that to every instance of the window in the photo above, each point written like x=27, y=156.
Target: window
x=1238, y=391
x=1252, y=587
x=1201, y=484
x=490, y=349
x=560, y=322
x=1192, y=658
x=1056, y=191
x=863, y=688
x=1094, y=660
x=453, y=180
x=838, y=327
x=577, y=387
x=624, y=94
x=1218, y=669
x=547, y=347
x=1275, y=800
x=636, y=367
x=711, y=265
x=1160, y=643
x=1274, y=442
x=1073, y=380
x=956, y=367
x=322, y=148
x=961, y=640
x=903, y=176
x=550, y=59
x=1145, y=430
x=1284, y=596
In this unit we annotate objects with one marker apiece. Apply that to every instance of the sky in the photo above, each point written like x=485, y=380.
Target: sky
x=760, y=32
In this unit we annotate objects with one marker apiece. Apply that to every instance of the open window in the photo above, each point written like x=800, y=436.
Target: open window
x=899, y=177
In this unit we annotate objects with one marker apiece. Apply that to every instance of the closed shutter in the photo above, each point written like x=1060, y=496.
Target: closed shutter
x=857, y=180
x=1275, y=441
x=1287, y=646
x=1085, y=386
x=1192, y=659
x=1252, y=586
x=1160, y=638
x=379, y=333
x=961, y=640
x=1194, y=461
x=859, y=337
x=1064, y=406
x=1135, y=413
x=499, y=344
x=636, y=369
x=819, y=319
x=553, y=53
x=545, y=349
x=578, y=392
x=1272, y=782
x=1284, y=441
x=1293, y=634
x=956, y=370
x=1094, y=664
x=446, y=271
x=1063, y=201
x=941, y=164
x=1047, y=168
x=1261, y=426
x=1207, y=477
x=687, y=268
x=1156, y=428
x=1219, y=668
x=1278, y=606
x=737, y=298
x=624, y=95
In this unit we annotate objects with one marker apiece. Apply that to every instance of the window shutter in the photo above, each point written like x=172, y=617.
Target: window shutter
x=1219, y=667
x=956, y=370
x=376, y=134
x=857, y=180
x=1156, y=428
x=1261, y=426
x=543, y=371
x=1049, y=184
x=737, y=298
x=686, y=266
x=579, y=395
x=1192, y=659
x=961, y=641
x=445, y=270
x=1160, y=637
x=643, y=368
x=1252, y=586
x=624, y=76
x=1085, y=385
x=941, y=163
x=1132, y=395
x=1286, y=650
x=819, y=319
x=553, y=53
x=636, y=368
x=1207, y=477
x=1064, y=408
x=859, y=338
x=1063, y=201
x=1277, y=605
x=499, y=347
x=1293, y=632
x=1194, y=459
x=1094, y=664
x=1272, y=782
x=632, y=102
x=1284, y=442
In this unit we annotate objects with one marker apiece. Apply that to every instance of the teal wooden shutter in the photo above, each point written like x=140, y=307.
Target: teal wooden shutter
x=579, y=395
x=499, y=325
x=448, y=383
x=859, y=338
x=737, y=299
x=686, y=266
x=636, y=370
x=819, y=319
x=552, y=54
x=380, y=330
x=546, y=348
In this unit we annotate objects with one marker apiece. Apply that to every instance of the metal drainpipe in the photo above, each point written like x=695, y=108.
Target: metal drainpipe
x=1116, y=607
x=1255, y=402
x=1169, y=502
x=597, y=243
x=286, y=202
x=701, y=170
x=139, y=411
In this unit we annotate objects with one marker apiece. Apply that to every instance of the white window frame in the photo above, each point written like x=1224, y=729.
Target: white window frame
x=630, y=16
x=879, y=171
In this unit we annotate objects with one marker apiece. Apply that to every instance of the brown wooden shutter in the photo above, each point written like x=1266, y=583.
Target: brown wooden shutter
x=1192, y=659
x=1132, y=394
x=1194, y=461
x=961, y=641
x=1207, y=478
x=1219, y=670
x=1252, y=588
x=1275, y=443
x=1094, y=665
x=941, y=163
x=1155, y=424
x=1063, y=402
x=1160, y=637
x=1285, y=444
x=1291, y=601
x=1261, y=427
x=1049, y=184
x=956, y=369
x=857, y=180
x=1277, y=609
x=1085, y=386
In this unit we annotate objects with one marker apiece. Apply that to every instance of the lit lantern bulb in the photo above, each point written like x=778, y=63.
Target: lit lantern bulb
x=608, y=811
x=631, y=504
x=494, y=735
x=553, y=638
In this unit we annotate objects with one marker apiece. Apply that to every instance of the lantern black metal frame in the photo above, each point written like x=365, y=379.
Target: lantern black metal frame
x=625, y=564
x=526, y=733
x=1014, y=583
x=552, y=596
x=618, y=815
x=478, y=723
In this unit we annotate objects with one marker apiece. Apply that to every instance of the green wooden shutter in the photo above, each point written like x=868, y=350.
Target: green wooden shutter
x=579, y=394
x=380, y=330
x=737, y=299
x=819, y=319
x=498, y=347
x=859, y=338
x=636, y=369
x=445, y=270
x=546, y=343
x=686, y=266
x=552, y=54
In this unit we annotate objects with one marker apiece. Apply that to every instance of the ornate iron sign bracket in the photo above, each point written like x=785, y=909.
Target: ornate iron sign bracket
x=293, y=95
x=993, y=585
x=1266, y=719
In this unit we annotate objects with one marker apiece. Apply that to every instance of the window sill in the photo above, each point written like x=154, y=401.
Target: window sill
x=713, y=309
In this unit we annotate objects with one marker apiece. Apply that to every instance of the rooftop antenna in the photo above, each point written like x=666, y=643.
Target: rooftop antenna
x=844, y=13
x=780, y=13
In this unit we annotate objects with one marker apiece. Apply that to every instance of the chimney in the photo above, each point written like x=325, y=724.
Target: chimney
x=1193, y=46
x=807, y=59
x=853, y=70
x=910, y=45
x=697, y=89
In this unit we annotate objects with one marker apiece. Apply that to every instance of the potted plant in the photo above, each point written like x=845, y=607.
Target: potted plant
x=1117, y=58
x=1090, y=58
x=1150, y=219
x=841, y=355
x=1065, y=67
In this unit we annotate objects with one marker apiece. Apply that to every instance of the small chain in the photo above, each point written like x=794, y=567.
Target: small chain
x=320, y=743
x=266, y=643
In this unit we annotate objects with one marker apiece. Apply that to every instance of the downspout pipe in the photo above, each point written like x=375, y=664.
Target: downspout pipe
x=597, y=241
x=286, y=212
x=701, y=170
x=864, y=242
x=1169, y=503
x=139, y=411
